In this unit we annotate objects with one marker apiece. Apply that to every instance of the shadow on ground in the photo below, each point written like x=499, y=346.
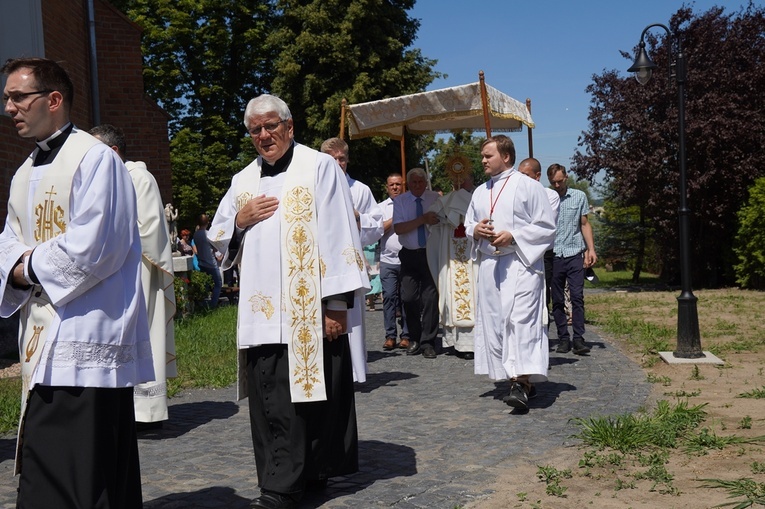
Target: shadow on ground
x=185, y=417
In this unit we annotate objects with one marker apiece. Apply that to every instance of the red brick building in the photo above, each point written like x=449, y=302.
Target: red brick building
x=109, y=92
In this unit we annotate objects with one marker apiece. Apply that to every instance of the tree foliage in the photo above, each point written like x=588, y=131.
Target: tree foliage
x=633, y=135
x=750, y=239
x=204, y=59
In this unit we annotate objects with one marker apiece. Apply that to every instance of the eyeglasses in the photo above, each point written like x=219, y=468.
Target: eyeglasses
x=270, y=128
x=18, y=97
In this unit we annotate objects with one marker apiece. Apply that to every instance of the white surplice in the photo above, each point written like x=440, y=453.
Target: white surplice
x=371, y=230
x=510, y=337
x=262, y=316
x=158, y=291
x=453, y=269
x=91, y=272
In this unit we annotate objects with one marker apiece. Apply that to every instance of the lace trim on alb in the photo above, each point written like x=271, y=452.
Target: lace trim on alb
x=85, y=355
x=150, y=390
x=66, y=272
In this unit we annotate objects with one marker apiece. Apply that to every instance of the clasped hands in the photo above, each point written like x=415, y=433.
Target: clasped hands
x=485, y=230
x=256, y=210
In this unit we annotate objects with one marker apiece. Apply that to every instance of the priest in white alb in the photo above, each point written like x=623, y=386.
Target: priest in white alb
x=70, y=265
x=369, y=220
x=449, y=260
x=157, y=282
x=288, y=220
x=512, y=225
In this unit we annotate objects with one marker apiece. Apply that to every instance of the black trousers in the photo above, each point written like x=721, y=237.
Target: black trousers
x=80, y=450
x=299, y=442
x=419, y=296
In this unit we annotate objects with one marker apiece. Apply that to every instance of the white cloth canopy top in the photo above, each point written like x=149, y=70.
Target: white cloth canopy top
x=443, y=110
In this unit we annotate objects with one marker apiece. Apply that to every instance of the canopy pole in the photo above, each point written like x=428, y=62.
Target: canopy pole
x=485, y=104
x=343, y=105
x=403, y=159
x=531, y=142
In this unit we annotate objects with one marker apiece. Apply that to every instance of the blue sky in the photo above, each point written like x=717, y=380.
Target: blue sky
x=547, y=51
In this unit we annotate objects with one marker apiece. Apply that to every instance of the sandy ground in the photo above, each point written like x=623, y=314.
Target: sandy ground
x=616, y=487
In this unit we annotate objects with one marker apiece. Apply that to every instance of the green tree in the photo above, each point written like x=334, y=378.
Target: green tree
x=750, y=239
x=633, y=135
x=360, y=50
x=204, y=59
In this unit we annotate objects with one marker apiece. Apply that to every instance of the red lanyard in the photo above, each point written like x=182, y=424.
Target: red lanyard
x=492, y=201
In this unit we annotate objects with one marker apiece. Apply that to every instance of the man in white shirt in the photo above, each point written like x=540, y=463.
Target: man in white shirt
x=532, y=168
x=419, y=293
x=70, y=263
x=390, y=269
x=369, y=221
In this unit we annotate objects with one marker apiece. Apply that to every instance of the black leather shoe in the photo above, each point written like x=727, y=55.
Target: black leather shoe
x=428, y=351
x=273, y=500
x=468, y=356
x=564, y=347
x=580, y=348
x=414, y=348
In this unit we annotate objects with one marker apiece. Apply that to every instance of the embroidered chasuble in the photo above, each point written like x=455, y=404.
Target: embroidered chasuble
x=308, y=250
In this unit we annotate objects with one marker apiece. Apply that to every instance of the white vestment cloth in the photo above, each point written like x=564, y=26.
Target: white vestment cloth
x=371, y=230
x=453, y=269
x=510, y=337
x=158, y=291
x=99, y=336
x=261, y=296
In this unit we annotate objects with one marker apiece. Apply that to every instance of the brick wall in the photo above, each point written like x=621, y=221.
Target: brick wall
x=122, y=100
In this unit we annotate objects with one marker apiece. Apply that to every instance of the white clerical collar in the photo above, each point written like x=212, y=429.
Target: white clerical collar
x=44, y=144
x=503, y=175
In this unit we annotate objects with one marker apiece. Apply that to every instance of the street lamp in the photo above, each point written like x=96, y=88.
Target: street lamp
x=688, y=337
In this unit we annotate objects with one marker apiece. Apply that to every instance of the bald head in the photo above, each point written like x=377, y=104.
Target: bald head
x=531, y=168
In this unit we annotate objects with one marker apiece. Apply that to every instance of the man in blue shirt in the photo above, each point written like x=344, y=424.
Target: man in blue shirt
x=574, y=252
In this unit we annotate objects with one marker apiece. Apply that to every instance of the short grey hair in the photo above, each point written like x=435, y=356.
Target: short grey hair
x=415, y=172
x=264, y=104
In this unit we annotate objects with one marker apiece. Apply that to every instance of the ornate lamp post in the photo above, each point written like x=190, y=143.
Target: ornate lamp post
x=688, y=337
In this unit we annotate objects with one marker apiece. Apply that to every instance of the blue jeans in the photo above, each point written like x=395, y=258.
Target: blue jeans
x=569, y=269
x=217, y=284
x=390, y=277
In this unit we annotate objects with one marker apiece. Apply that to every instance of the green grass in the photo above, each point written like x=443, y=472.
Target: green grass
x=633, y=432
x=205, y=347
x=622, y=278
x=10, y=404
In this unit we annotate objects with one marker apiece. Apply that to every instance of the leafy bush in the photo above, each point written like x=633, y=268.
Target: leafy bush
x=191, y=291
x=750, y=239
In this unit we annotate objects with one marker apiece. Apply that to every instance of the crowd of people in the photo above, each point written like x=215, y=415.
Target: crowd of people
x=476, y=267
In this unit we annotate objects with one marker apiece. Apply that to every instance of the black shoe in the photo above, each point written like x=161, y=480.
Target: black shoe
x=580, y=348
x=468, y=356
x=273, y=500
x=517, y=397
x=564, y=347
x=414, y=348
x=428, y=351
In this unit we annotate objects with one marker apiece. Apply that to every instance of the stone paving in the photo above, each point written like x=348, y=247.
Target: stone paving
x=431, y=433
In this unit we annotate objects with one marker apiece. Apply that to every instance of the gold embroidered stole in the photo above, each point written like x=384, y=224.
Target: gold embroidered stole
x=51, y=212
x=301, y=276
x=462, y=293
